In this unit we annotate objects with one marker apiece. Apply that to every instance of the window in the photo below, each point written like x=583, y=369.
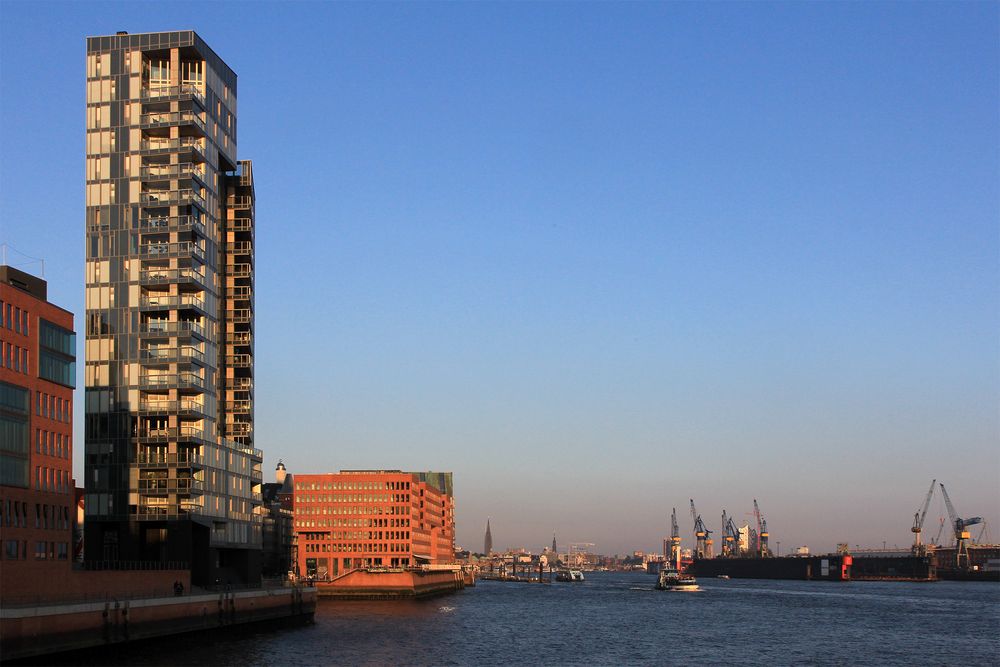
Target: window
x=39, y=550
x=17, y=320
x=10, y=549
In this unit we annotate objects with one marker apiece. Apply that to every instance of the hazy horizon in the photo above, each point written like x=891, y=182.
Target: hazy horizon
x=594, y=259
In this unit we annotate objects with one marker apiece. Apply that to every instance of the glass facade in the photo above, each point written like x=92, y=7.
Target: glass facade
x=169, y=296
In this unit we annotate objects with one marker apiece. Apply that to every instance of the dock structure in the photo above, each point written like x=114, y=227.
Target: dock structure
x=31, y=631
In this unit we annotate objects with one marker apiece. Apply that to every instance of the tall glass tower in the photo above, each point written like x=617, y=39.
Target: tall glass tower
x=172, y=475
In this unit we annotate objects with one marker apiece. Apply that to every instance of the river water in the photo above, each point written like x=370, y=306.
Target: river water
x=618, y=619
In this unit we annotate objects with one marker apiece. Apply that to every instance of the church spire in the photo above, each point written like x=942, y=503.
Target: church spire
x=488, y=542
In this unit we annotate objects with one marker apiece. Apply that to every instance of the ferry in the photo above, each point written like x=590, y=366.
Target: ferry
x=569, y=575
x=672, y=580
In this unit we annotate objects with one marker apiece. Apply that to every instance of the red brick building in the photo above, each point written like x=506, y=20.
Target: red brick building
x=372, y=519
x=37, y=377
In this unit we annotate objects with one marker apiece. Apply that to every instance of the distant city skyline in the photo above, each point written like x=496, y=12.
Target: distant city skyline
x=593, y=259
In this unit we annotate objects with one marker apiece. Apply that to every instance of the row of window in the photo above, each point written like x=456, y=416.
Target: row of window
x=364, y=547
x=52, y=479
x=351, y=486
x=14, y=358
x=314, y=510
x=14, y=514
x=13, y=318
x=53, y=407
x=43, y=550
x=357, y=498
x=52, y=444
x=342, y=535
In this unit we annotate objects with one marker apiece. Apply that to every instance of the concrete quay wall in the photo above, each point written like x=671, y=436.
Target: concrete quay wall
x=40, y=630
x=392, y=585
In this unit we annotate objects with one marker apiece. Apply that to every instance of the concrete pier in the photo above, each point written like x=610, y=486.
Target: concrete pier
x=39, y=630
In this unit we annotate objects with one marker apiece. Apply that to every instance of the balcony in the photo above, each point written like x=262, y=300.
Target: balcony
x=161, y=172
x=240, y=202
x=187, y=407
x=241, y=384
x=163, y=459
x=240, y=248
x=164, y=250
x=240, y=225
x=164, y=435
x=240, y=316
x=164, y=224
x=240, y=271
x=156, y=144
x=241, y=338
x=241, y=293
x=164, y=328
x=187, y=90
x=179, y=302
x=171, y=198
x=239, y=360
x=185, y=276
x=239, y=407
x=239, y=430
x=166, y=119
x=172, y=354
x=172, y=381
x=183, y=485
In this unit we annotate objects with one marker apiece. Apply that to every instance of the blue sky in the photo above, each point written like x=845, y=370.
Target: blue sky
x=597, y=259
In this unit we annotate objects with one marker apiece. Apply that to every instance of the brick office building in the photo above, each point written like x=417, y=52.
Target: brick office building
x=372, y=519
x=37, y=377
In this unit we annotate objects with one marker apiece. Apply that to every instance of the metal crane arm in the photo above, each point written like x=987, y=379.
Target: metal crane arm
x=927, y=503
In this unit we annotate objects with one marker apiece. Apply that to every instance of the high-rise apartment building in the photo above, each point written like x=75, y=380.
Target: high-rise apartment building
x=172, y=474
x=37, y=377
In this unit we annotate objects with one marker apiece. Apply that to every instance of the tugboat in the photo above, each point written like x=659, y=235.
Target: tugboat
x=569, y=575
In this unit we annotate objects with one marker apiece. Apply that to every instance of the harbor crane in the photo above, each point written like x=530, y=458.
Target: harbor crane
x=762, y=535
x=675, y=540
x=961, y=534
x=702, y=539
x=918, y=523
x=732, y=538
x=728, y=539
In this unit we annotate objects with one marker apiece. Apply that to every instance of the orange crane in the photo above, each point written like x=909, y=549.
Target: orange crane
x=762, y=534
x=703, y=543
x=961, y=534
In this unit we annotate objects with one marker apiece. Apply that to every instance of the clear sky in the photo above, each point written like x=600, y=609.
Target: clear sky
x=596, y=259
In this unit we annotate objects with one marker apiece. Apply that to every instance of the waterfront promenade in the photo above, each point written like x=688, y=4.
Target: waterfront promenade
x=34, y=630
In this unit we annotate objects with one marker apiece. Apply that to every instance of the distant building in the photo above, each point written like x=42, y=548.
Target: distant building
x=276, y=559
x=488, y=540
x=554, y=549
x=358, y=519
x=37, y=377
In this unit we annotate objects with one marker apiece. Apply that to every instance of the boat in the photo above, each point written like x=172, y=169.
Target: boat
x=722, y=576
x=569, y=575
x=672, y=580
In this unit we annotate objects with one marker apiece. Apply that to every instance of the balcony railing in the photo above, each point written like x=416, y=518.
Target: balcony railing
x=167, y=276
x=242, y=292
x=239, y=429
x=170, y=407
x=165, y=354
x=182, y=249
x=172, y=301
x=168, y=434
x=240, y=202
x=240, y=225
x=168, y=380
x=173, y=328
x=241, y=384
x=163, y=486
x=184, y=459
x=240, y=248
